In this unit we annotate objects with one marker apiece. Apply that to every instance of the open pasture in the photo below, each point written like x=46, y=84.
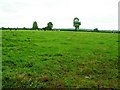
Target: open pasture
x=58, y=59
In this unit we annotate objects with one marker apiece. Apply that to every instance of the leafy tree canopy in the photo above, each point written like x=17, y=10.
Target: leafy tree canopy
x=50, y=25
x=35, y=26
x=76, y=23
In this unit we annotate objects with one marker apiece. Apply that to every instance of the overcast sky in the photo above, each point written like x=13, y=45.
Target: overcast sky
x=101, y=14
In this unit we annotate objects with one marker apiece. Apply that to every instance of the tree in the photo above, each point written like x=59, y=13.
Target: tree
x=49, y=25
x=35, y=26
x=3, y=28
x=24, y=28
x=96, y=30
x=76, y=23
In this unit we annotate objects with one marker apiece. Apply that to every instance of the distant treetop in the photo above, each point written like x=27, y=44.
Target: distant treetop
x=76, y=23
x=35, y=26
x=76, y=19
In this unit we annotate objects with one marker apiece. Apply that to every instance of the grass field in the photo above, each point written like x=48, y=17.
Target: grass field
x=58, y=59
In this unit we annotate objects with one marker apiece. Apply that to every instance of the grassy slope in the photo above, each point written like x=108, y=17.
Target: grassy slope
x=59, y=59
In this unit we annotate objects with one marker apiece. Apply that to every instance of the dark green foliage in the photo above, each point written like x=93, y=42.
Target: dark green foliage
x=35, y=26
x=15, y=29
x=76, y=23
x=49, y=25
x=96, y=30
x=24, y=28
x=3, y=28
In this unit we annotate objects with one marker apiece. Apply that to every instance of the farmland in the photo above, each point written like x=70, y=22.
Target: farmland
x=59, y=59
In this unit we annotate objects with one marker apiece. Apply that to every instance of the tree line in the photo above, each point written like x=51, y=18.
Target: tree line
x=49, y=26
x=34, y=27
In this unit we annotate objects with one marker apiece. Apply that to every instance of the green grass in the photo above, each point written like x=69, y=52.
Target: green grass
x=58, y=59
